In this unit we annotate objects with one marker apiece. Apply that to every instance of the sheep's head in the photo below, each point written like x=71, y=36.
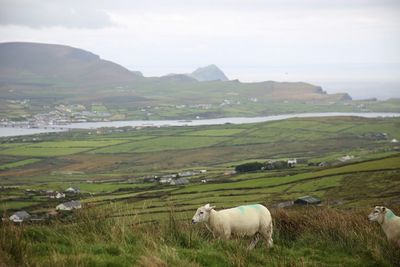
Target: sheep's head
x=378, y=214
x=202, y=214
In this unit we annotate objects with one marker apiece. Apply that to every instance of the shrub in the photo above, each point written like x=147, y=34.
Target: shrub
x=249, y=167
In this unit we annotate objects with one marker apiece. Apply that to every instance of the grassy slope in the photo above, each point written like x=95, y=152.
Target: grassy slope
x=305, y=237
x=310, y=237
x=155, y=99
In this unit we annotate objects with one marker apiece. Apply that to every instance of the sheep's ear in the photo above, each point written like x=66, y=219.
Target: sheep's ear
x=208, y=207
x=212, y=207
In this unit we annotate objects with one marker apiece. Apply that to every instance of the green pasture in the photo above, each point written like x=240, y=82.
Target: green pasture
x=216, y=132
x=374, y=165
x=43, y=151
x=215, y=148
x=15, y=205
x=147, y=224
x=317, y=185
x=58, y=148
x=19, y=163
x=164, y=143
x=111, y=187
x=77, y=143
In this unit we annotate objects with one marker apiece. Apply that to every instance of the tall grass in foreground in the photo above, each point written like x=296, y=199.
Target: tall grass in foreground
x=310, y=236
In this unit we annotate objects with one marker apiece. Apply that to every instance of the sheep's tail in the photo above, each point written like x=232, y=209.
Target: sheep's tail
x=270, y=232
x=266, y=232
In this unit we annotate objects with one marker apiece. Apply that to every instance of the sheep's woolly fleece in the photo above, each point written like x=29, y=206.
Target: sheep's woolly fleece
x=250, y=220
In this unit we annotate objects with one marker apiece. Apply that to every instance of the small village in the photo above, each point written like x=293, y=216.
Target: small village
x=69, y=193
x=69, y=199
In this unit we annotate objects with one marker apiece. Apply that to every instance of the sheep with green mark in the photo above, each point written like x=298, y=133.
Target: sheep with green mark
x=389, y=221
x=250, y=220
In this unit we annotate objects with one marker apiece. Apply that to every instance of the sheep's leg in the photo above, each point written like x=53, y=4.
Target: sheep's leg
x=267, y=235
x=227, y=234
x=254, y=241
x=209, y=229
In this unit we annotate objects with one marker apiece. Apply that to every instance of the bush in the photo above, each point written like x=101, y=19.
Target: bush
x=249, y=167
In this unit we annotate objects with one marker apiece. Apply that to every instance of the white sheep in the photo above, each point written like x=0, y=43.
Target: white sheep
x=389, y=221
x=250, y=220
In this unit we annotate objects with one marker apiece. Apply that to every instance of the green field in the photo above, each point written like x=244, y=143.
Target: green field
x=19, y=163
x=111, y=170
x=57, y=148
x=162, y=144
x=216, y=132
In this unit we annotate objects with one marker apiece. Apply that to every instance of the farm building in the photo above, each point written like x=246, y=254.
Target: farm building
x=179, y=181
x=56, y=195
x=165, y=180
x=187, y=173
x=74, y=204
x=72, y=190
x=307, y=200
x=346, y=158
x=20, y=216
x=291, y=163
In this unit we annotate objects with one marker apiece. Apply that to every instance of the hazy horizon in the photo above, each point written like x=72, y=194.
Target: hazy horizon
x=357, y=86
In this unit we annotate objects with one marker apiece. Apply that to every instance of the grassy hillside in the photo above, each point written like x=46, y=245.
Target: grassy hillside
x=128, y=220
x=304, y=237
x=50, y=65
x=54, y=79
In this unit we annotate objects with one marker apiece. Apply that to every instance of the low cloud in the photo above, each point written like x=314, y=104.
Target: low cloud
x=45, y=13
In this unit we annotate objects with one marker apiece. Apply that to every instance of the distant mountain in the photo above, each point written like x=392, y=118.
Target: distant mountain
x=36, y=77
x=209, y=73
x=178, y=78
x=58, y=64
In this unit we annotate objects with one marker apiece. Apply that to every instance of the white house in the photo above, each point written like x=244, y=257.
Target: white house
x=72, y=190
x=20, y=216
x=56, y=195
x=179, y=181
x=346, y=158
x=186, y=174
x=71, y=205
x=292, y=162
x=165, y=180
x=60, y=195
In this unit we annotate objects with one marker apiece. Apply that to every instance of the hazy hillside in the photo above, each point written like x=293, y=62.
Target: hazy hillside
x=47, y=75
x=50, y=64
x=209, y=73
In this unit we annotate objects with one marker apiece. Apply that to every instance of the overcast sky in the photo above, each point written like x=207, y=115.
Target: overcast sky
x=320, y=41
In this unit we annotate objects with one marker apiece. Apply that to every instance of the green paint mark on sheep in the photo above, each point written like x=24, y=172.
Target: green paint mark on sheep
x=242, y=209
x=390, y=215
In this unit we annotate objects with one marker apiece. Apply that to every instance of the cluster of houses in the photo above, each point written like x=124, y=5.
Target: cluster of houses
x=61, y=115
x=179, y=178
x=198, y=106
x=280, y=164
x=20, y=216
x=174, y=181
x=53, y=194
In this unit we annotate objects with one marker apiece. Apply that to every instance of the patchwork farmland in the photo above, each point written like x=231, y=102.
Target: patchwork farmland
x=119, y=175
